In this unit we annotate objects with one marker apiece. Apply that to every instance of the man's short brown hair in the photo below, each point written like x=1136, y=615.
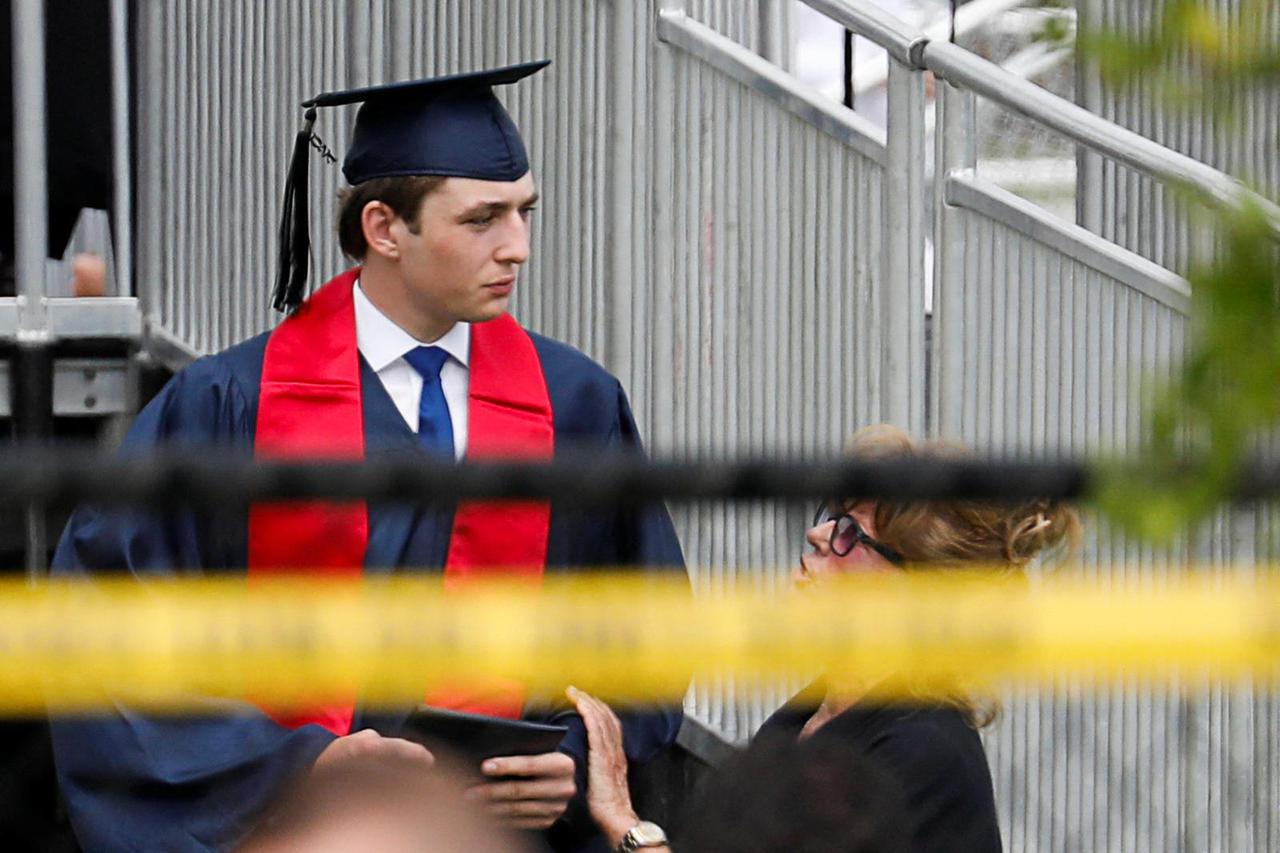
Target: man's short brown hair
x=403, y=194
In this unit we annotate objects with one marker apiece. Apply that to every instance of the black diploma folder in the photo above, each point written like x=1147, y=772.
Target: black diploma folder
x=479, y=737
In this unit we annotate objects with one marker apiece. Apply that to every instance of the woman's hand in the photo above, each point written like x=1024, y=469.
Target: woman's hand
x=608, y=797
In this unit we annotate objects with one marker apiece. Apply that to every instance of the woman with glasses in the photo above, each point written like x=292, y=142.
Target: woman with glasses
x=931, y=748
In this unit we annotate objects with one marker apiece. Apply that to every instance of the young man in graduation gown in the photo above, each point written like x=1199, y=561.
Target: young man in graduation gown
x=412, y=351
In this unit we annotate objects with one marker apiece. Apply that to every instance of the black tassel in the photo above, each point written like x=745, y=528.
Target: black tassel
x=295, y=230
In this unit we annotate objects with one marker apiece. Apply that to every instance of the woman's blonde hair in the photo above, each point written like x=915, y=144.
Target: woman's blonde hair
x=1003, y=537
x=962, y=534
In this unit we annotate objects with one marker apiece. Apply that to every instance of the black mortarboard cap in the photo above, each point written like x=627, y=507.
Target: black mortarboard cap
x=452, y=126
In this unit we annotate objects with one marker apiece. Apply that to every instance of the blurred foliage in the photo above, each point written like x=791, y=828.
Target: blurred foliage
x=1196, y=57
x=1057, y=29
x=1203, y=426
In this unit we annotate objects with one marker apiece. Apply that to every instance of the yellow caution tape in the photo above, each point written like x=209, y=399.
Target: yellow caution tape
x=183, y=644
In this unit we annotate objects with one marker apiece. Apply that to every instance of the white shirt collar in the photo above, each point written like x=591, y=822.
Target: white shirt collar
x=381, y=341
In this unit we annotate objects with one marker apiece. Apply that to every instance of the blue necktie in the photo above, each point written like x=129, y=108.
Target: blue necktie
x=435, y=430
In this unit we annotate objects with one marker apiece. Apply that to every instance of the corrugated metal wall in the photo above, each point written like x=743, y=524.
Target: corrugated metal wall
x=1045, y=353
x=1236, y=129
x=1046, y=348
x=1140, y=769
x=1166, y=772
x=774, y=231
x=739, y=21
x=714, y=252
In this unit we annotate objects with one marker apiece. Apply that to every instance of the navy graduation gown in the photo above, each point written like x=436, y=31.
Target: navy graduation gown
x=134, y=781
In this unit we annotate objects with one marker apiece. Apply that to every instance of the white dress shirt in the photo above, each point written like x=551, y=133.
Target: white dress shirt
x=384, y=344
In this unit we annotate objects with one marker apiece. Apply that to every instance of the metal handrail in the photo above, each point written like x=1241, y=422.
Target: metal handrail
x=871, y=73
x=965, y=189
x=903, y=42
x=964, y=69
x=750, y=69
x=914, y=49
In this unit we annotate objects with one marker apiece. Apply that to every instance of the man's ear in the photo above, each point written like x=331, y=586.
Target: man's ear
x=375, y=222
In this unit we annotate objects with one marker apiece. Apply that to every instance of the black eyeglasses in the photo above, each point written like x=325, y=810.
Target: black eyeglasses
x=847, y=534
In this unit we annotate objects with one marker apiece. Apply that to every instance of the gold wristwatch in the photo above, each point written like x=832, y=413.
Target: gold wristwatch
x=643, y=834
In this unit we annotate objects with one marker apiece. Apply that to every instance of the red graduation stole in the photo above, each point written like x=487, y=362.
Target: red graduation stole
x=310, y=405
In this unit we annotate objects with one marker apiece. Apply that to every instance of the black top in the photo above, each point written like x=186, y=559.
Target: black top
x=931, y=751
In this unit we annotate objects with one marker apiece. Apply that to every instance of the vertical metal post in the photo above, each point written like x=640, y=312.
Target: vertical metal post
x=122, y=186
x=1088, y=95
x=955, y=139
x=902, y=293
x=32, y=364
x=775, y=32
x=151, y=138
x=850, y=95
x=662, y=401
x=623, y=191
x=30, y=199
